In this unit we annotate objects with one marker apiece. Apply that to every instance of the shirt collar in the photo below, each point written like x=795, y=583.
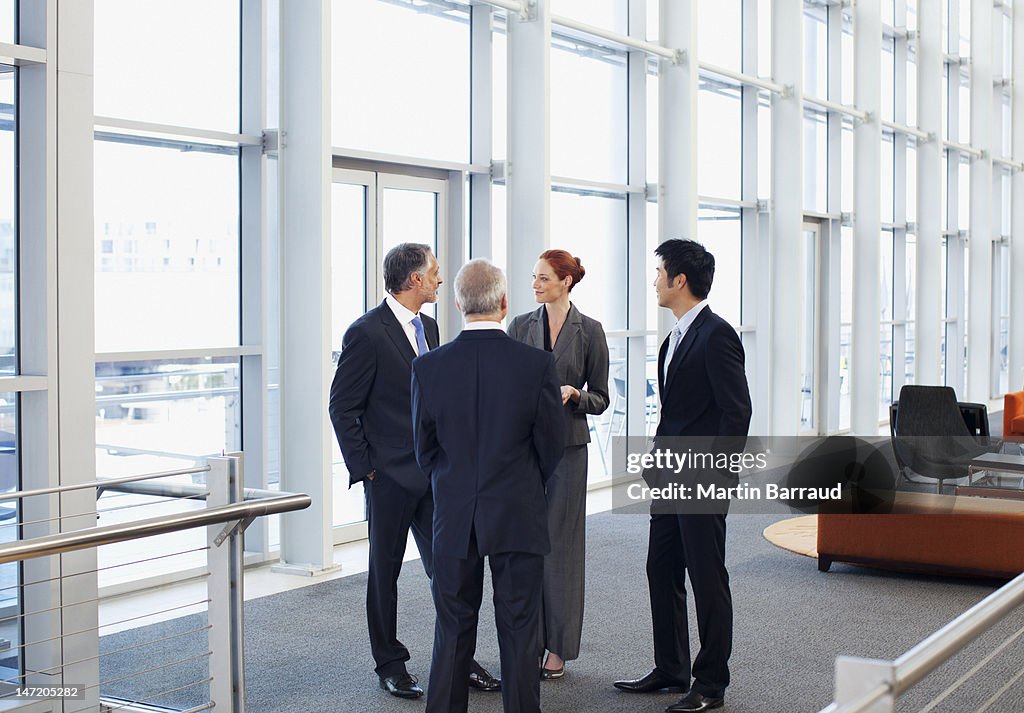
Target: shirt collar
x=690, y=316
x=474, y=326
x=402, y=313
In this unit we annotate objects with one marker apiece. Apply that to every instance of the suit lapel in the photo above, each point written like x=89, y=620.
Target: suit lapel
x=570, y=332
x=535, y=331
x=432, y=341
x=395, y=331
x=661, y=367
x=684, y=347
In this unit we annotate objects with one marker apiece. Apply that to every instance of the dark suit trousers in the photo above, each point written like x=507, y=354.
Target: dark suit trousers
x=457, y=586
x=693, y=544
x=390, y=511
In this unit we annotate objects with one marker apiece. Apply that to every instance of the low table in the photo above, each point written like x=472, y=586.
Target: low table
x=995, y=486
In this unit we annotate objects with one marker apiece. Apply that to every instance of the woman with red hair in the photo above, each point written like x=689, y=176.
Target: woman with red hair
x=581, y=357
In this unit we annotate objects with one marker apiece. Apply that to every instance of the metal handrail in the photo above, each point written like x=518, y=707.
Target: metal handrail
x=105, y=483
x=94, y=537
x=932, y=652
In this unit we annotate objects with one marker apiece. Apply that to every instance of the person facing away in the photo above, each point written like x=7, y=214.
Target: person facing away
x=371, y=410
x=703, y=394
x=581, y=358
x=489, y=430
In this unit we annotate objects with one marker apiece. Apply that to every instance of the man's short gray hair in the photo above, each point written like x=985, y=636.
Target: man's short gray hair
x=479, y=287
x=401, y=262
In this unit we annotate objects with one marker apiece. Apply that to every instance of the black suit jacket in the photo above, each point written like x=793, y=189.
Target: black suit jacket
x=489, y=430
x=370, y=404
x=705, y=393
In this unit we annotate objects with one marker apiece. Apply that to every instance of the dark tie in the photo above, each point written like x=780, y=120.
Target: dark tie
x=421, y=340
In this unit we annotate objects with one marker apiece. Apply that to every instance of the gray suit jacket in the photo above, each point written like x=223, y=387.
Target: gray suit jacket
x=581, y=358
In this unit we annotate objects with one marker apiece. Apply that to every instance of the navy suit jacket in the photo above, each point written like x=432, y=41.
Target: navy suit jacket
x=705, y=393
x=370, y=404
x=489, y=429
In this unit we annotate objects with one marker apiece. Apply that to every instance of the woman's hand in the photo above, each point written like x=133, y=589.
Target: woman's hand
x=570, y=392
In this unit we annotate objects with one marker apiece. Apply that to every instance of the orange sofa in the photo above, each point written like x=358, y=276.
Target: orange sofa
x=937, y=534
x=1013, y=416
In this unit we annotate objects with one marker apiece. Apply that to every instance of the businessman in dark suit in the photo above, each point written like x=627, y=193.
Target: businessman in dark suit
x=703, y=394
x=371, y=411
x=489, y=430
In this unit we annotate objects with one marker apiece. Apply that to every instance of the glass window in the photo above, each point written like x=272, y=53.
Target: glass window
x=8, y=21
x=172, y=279
x=964, y=111
x=499, y=227
x=910, y=267
x=653, y=140
x=719, y=230
x=911, y=184
x=887, y=177
x=888, y=78
x=722, y=20
x=613, y=421
x=846, y=198
x=886, y=331
x=588, y=115
x=816, y=51
x=400, y=79
x=911, y=98
x=845, y=323
x=964, y=197
x=608, y=14
x=764, y=38
x=159, y=415
x=965, y=28
x=764, y=147
x=499, y=95
x=593, y=228
x=719, y=143
x=10, y=579
x=815, y=161
x=847, y=51
x=8, y=223
x=171, y=63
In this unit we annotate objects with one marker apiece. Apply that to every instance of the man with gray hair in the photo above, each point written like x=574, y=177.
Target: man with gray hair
x=370, y=408
x=488, y=427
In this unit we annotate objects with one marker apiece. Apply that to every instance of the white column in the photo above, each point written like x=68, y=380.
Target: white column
x=1016, y=336
x=787, y=293
x=677, y=130
x=305, y=163
x=867, y=146
x=979, y=304
x=930, y=296
x=76, y=412
x=481, y=134
x=528, y=168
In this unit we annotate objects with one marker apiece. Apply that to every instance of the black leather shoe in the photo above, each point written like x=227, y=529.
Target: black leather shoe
x=693, y=701
x=403, y=685
x=550, y=674
x=654, y=681
x=483, y=681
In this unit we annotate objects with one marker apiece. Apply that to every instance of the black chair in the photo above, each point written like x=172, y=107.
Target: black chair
x=935, y=436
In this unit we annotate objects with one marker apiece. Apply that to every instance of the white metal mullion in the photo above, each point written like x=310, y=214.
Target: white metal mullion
x=481, y=130
x=996, y=193
x=1016, y=336
x=37, y=330
x=786, y=241
x=148, y=128
x=900, y=170
x=254, y=258
x=955, y=307
x=21, y=55
x=177, y=354
x=754, y=340
x=830, y=241
x=930, y=295
x=638, y=260
x=677, y=129
x=979, y=307
x=528, y=168
x=867, y=139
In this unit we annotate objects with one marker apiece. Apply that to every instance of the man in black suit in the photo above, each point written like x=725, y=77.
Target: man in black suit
x=703, y=394
x=370, y=408
x=489, y=430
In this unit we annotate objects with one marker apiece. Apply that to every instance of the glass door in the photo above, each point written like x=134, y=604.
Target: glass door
x=372, y=212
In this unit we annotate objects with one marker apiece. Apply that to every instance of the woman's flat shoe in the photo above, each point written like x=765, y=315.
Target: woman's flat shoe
x=549, y=674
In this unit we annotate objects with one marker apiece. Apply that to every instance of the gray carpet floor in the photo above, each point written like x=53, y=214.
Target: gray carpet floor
x=306, y=650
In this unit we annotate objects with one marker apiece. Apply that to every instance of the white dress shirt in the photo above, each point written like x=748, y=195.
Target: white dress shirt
x=405, y=317
x=683, y=326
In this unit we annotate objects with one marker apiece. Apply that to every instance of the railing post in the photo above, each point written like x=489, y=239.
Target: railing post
x=857, y=677
x=227, y=665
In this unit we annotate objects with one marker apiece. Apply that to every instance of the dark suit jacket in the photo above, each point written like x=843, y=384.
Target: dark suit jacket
x=706, y=391
x=489, y=430
x=581, y=357
x=370, y=404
